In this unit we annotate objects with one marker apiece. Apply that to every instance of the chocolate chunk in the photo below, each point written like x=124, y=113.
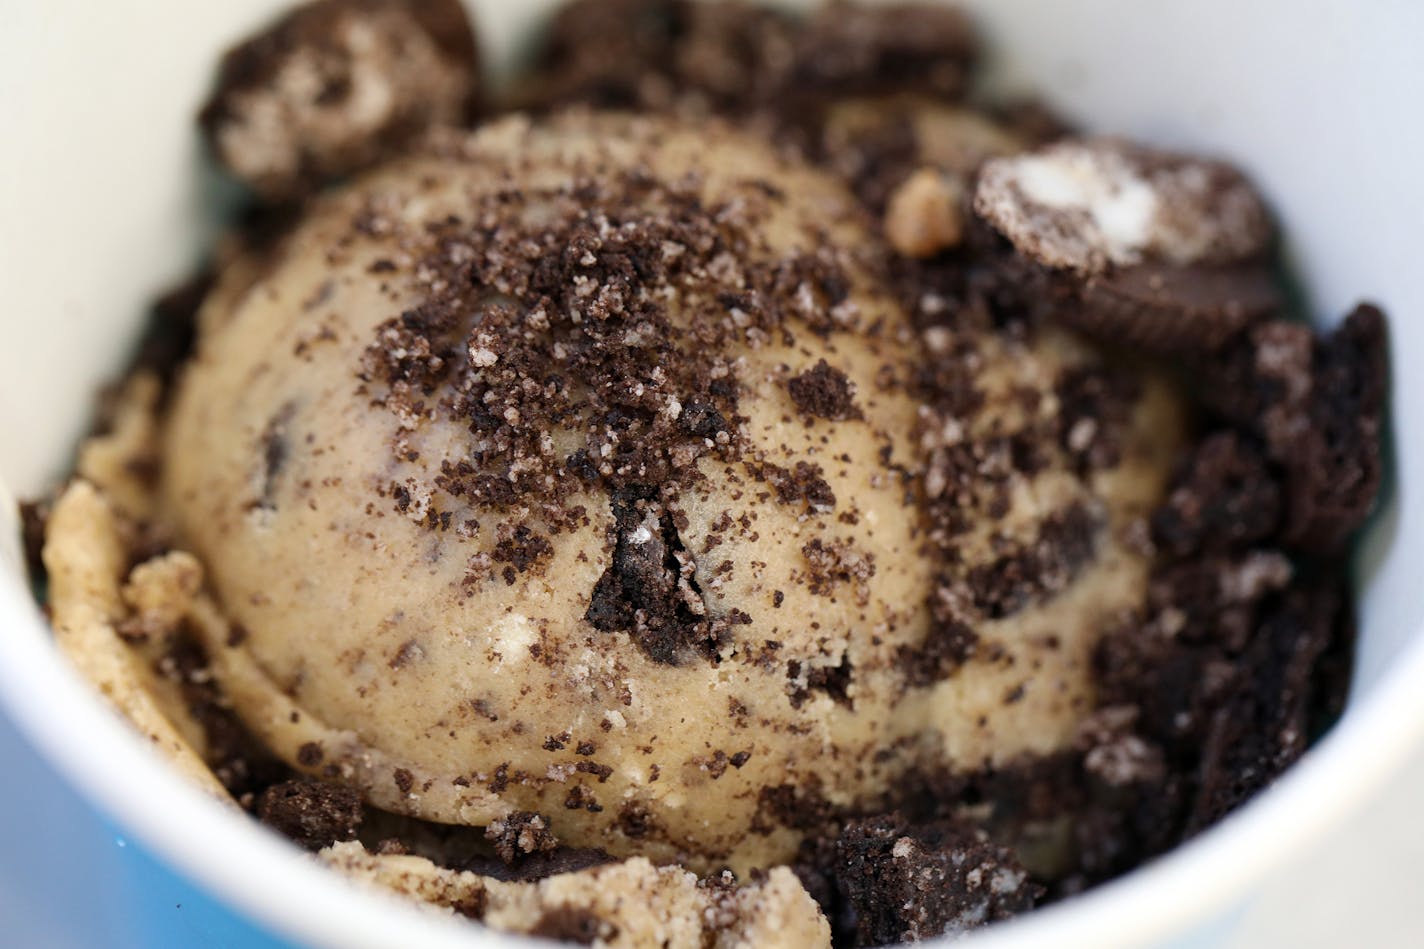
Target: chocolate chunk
x=293, y=105
x=310, y=754
x=904, y=882
x=1223, y=497
x=275, y=446
x=313, y=814
x=823, y=392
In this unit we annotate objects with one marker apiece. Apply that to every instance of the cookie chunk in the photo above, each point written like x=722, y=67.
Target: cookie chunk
x=336, y=85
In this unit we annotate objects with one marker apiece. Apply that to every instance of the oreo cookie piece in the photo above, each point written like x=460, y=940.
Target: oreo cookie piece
x=1223, y=497
x=334, y=86
x=1155, y=250
x=659, y=54
x=312, y=814
x=898, y=882
x=1336, y=470
x=850, y=49
x=1318, y=407
x=1088, y=205
x=1263, y=726
x=1165, y=309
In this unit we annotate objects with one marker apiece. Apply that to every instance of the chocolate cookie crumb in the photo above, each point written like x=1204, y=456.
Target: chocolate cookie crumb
x=1034, y=571
x=523, y=549
x=313, y=814
x=824, y=392
x=804, y=678
x=1096, y=404
x=635, y=820
x=238, y=759
x=800, y=808
x=310, y=754
x=522, y=832
x=1336, y=470
x=948, y=643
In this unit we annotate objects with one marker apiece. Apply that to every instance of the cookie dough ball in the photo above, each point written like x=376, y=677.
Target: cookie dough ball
x=591, y=468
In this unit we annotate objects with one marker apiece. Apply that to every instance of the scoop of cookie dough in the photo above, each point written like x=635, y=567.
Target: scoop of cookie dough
x=591, y=468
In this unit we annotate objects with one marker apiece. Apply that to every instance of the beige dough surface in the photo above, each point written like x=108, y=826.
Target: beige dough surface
x=628, y=905
x=447, y=683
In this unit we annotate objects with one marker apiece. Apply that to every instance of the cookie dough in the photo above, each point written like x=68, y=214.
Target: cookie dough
x=592, y=468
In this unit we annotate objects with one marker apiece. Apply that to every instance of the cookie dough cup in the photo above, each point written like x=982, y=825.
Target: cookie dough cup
x=591, y=468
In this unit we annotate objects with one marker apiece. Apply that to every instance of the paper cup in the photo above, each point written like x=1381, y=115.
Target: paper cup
x=104, y=201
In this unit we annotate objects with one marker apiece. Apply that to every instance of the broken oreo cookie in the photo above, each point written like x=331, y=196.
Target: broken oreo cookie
x=899, y=882
x=336, y=85
x=1318, y=406
x=1148, y=248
